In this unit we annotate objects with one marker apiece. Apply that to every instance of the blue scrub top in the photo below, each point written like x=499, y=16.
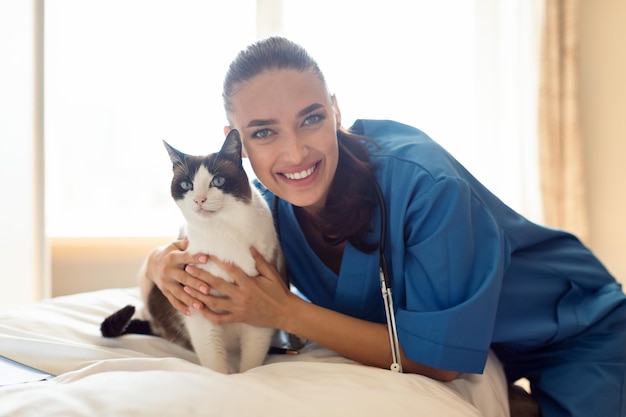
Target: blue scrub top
x=467, y=271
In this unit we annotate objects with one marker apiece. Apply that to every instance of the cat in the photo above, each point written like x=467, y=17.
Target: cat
x=224, y=216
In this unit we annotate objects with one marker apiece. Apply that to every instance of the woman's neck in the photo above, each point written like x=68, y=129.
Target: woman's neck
x=331, y=255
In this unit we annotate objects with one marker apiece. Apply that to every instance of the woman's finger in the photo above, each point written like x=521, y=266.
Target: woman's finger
x=222, y=294
x=200, y=300
x=178, y=304
x=173, y=291
x=212, y=307
x=208, y=280
x=177, y=257
x=198, y=279
x=182, y=278
x=181, y=244
x=262, y=266
x=232, y=270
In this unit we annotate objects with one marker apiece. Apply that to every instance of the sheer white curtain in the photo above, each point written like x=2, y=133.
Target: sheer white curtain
x=508, y=54
x=123, y=75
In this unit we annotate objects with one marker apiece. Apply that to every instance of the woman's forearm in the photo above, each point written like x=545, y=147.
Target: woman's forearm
x=360, y=340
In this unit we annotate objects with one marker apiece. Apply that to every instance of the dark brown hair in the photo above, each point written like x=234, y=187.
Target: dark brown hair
x=351, y=198
x=271, y=53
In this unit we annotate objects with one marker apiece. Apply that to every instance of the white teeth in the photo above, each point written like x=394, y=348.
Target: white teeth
x=300, y=175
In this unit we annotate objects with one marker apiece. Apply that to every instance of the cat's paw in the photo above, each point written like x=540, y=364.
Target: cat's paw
x=116, y=324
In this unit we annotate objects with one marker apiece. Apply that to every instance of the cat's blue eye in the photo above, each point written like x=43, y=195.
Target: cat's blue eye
x=186, y=185
x=218, y=181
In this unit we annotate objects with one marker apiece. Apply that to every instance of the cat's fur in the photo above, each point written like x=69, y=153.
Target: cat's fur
x=225, y=216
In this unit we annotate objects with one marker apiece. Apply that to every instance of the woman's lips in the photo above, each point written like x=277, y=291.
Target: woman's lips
x=301, y=175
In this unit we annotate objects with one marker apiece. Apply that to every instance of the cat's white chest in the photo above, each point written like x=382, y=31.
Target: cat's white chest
x=224, y=245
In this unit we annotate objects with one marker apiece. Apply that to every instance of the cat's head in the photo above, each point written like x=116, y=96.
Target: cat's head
x=207, y=186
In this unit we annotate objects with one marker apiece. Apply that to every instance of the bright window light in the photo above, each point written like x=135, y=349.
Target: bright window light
x=122, y=75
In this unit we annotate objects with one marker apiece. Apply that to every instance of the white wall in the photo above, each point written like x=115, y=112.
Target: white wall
x=21, y=214
x=86, y=264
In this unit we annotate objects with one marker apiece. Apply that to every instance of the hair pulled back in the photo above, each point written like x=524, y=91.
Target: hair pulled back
x=266, y=54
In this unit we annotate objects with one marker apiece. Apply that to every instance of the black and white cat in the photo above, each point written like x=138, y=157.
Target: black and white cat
x=225, y=216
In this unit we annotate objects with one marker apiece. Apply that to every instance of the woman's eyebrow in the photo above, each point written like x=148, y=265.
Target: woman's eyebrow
x=309, y=109
x=261, y=122
x=267, y=122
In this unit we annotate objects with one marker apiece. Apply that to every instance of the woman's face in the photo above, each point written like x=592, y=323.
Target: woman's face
x=288, y=125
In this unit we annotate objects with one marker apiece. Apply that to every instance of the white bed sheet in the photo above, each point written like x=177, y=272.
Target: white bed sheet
x=138, y=375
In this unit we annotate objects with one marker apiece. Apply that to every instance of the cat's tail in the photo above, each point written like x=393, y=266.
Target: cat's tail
x=121, y=322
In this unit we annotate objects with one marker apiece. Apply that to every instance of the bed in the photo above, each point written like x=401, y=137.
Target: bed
x=138, y=375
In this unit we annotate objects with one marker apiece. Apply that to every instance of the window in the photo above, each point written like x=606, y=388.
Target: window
x=120, y=76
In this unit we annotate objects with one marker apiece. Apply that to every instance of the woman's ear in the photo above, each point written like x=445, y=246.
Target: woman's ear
x=336, y=110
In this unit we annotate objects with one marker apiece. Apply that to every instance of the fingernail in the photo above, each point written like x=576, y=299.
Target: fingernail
x=202, y=259
x=197, y=306
x=204, y=290
x=189, y=268
x=187, y=313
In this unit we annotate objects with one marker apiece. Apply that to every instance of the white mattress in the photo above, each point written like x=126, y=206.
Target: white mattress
x=138, y=375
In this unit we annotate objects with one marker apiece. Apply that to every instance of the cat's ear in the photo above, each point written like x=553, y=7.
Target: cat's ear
x=231, y=148
x=176, y=156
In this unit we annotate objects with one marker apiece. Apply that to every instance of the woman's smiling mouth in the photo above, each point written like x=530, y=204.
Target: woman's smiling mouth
x=305, y=173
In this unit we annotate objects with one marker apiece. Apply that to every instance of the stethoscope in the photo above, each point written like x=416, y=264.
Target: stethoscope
x=384, y=276
x=385, y=286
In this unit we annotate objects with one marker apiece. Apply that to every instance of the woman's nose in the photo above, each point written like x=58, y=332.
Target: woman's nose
x=294, y=148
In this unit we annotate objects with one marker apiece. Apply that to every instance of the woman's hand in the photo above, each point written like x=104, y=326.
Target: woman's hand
x=259, y=301
x=165, y=267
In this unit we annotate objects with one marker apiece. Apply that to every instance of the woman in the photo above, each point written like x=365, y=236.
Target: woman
x=469, y=274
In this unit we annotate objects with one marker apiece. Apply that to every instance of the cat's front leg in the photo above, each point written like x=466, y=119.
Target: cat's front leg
x=255, y=342
x=207, y=340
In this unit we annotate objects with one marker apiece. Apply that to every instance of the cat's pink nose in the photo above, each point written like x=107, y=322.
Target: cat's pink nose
x=200, y=200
